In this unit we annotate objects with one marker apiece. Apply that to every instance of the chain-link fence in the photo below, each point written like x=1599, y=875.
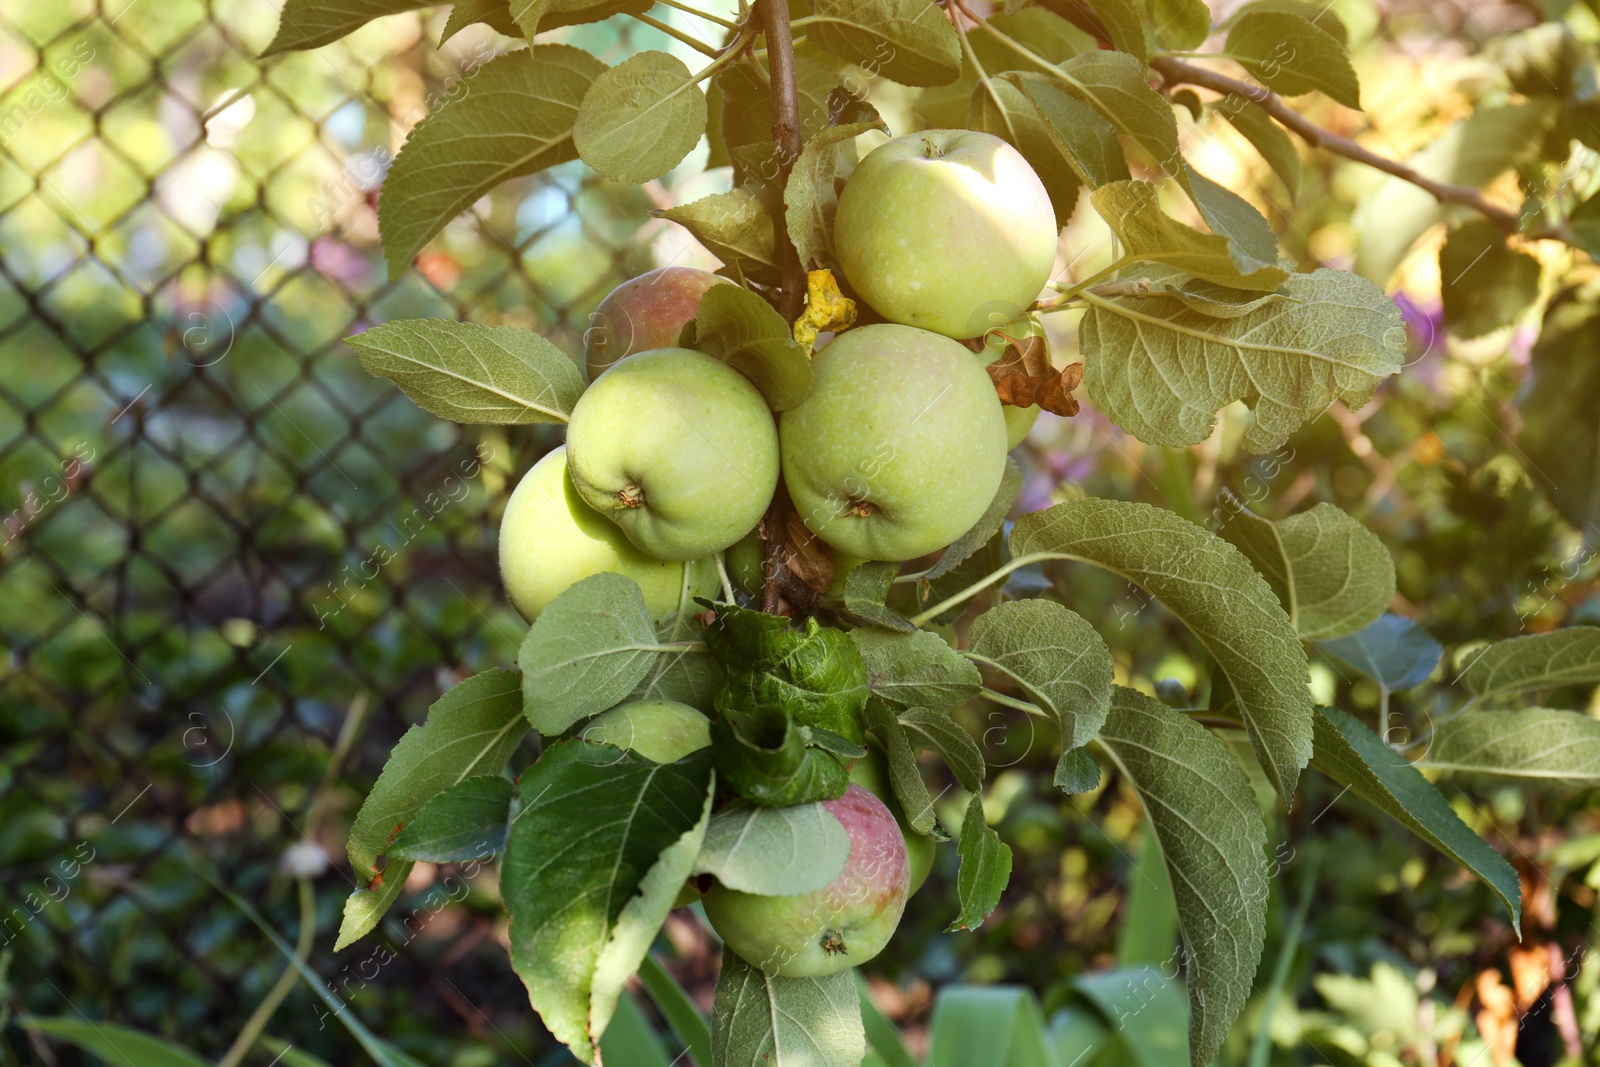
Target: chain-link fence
x=221, y=537
x=234, y=567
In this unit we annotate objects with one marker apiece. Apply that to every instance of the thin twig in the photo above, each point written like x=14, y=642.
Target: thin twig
x=1177, y=71
x=677, y=35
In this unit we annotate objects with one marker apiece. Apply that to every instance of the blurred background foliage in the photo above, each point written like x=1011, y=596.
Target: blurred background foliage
x=226, y=548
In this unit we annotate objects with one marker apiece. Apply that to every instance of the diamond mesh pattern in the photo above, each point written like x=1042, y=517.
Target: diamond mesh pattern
x=197, y=485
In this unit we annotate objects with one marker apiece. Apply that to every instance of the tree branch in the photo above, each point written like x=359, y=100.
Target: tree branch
x=786, y=134
x=1175, y=71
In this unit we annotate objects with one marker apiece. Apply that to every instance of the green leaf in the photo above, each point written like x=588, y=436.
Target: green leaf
x=120, y=1046
x=1117, y=85
x=1124, y=25
x=1560, y=421
x=905, y=778
x=908, y=41
x=1149, y=995
x=1537, y=661
x=1472, y=152
x=1085, y=139
x=382, y=1053
x=311, y=23
x=769, y=760
x=736, y=227
x=586, y=652
x=471, y=730
x=1355, y=757
x=774, y=851
x=1332, y=575
x=1560, y=747
x=1212, y=836
x=763, y=1021
x=514, y=118
x=630, y=1040
x=741, y=329
x=640, y=118
x=1208, y=298
x=1132, y=210
x=938, y=732
x=473, y=374
x=883, y=1036
x=678, y=1009
x=1150, y=923
x=495, y=14
x=1393, y=651
x=594, y=860
x=1077, y=771
x=535, y=16
x=688, y=673
x=814, y=673
x=916, y=669
x=1483, y=283
x=988, y=1026
x=1292, y=55
x=1180, y=25
x=1161, y=370
x=1002, y=109
x=1267, y=137
x=866, y=588
x=1055, y=655
x=747, y=111
x=985, y=869
x=1045, y=33
x=1232, y=216
x=1319, y=13
x=988, y=524
x=1584, y=224
x=811, y=196
x=464, y=822
x=290, y=1056
x=1211, y=587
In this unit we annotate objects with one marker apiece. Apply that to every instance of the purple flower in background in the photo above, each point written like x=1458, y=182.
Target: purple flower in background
x=335, y=259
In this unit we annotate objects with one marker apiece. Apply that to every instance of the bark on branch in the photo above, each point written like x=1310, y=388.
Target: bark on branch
x=1176, y=71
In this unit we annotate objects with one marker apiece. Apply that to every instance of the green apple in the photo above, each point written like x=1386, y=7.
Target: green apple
x=1018, y=420
x=845, y=923
x=678, y=449
x=747, y=563
x=662, y=731
x=549, y=539
x=871, y=772
x=898, y=448
x=949, y=230
x=644, y=313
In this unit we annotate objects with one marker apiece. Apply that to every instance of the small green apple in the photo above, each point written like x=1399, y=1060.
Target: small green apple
x=844, y=924
x=678, y=449
x=644, y=313
x=549, y=539
x=747, y=562
x=949, y=230
x=662, y=731
x=1018, y=420
x=871, y=772
x=898, y=448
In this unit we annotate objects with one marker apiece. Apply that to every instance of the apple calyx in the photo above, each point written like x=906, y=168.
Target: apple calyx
x=631, y=496
x=833, y=943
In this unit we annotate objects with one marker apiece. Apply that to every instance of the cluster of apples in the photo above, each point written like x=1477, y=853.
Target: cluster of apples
x=673, y=456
